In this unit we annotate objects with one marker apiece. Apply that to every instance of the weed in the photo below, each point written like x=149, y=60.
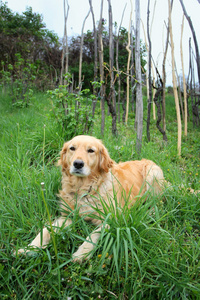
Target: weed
x=150, y=251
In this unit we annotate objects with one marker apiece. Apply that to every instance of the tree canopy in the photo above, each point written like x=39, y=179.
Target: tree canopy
x=27, y=35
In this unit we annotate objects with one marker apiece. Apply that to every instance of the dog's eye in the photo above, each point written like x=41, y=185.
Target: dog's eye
x=72, y=148
x=90, y=151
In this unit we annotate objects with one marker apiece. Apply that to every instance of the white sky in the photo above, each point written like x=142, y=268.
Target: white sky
x=53, y=16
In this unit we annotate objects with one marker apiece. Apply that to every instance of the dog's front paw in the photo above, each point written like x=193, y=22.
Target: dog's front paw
x=79, y=257
x=25, y=251
x=81, y=254
x=19, y=252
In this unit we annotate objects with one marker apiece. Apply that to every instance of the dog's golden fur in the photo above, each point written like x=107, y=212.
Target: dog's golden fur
x=89, y=173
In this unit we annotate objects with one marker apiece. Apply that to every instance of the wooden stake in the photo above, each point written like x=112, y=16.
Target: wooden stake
x=184, y=83
x=174, y=82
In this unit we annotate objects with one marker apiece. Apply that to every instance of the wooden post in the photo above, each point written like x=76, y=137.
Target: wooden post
x=138, y=75
x=81, y=54
x=128, y=65
x=174, y=82
x=184, y=83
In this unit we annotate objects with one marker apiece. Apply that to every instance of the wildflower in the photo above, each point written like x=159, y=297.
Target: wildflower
x=100, y=255
x=42, y=186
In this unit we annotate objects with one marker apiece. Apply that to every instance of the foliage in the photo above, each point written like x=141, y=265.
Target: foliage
x=150, y=251
x=25, y=35
x=72, y=109
x=19, y=80
x=88, y=55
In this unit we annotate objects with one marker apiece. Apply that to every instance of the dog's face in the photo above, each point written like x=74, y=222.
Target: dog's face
x=84, y=155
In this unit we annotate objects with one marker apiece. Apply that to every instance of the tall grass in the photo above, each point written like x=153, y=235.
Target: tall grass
x=150, y=251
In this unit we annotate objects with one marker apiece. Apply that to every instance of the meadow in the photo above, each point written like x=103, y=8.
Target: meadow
x=150, y=252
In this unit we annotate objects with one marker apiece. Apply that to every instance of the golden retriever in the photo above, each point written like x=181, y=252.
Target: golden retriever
x=88, y=174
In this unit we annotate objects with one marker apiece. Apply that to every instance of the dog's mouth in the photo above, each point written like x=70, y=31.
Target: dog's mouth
x=79, y=172
x=79, y=168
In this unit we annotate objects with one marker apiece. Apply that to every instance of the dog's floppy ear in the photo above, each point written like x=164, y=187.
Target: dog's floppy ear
x=105, y=162
x=62, y=161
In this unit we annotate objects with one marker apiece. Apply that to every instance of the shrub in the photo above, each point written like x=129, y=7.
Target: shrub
x=72, y=110
x=20, y=78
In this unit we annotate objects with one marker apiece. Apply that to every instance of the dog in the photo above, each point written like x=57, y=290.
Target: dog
x=89, y=175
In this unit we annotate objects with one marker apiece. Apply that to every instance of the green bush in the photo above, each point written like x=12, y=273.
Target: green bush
x=72, y=110
x=19, y=80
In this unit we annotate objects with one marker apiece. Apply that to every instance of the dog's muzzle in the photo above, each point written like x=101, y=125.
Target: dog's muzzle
x=78, y=168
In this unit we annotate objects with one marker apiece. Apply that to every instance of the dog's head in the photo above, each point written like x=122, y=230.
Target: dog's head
x=84, y=155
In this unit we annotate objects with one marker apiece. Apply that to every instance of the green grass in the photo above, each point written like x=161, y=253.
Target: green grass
x=150, y=252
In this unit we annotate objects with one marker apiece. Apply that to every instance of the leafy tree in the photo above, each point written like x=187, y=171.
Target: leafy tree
x=88, y=55
x=26, y=35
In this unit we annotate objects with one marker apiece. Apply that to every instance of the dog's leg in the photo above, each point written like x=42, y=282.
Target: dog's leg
x=84, y=250
x=42, y=239
x=154, y=179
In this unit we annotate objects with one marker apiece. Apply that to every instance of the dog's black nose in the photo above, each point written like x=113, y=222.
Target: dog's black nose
x=78, y=164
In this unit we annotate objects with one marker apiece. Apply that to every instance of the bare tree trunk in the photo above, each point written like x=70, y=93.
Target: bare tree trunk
x=147, y=78
x=95, y=47
x=156, y=98
x=195, y=101
x=184, y=83
x=65, y=52
x=133, y=85
x=164, y=75
x=101, y=68
x=81, y=53
x=191, y=72
x=138, y=75
x=117, y=65
x=118, y=78
x=94, y=101
x=174, y=82
x=164, y=78
x=147, y=48
x=159, y=115
x=150, y=83
x=153, y=74
x=111, y=63
x=194, y=38
x=111, y=54
x=128, y=66
x=66, y=41
x=154, y=92
x=188, y=79
x=179, y=92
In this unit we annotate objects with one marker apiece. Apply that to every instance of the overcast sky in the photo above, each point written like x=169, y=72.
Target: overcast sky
x=53, y=16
